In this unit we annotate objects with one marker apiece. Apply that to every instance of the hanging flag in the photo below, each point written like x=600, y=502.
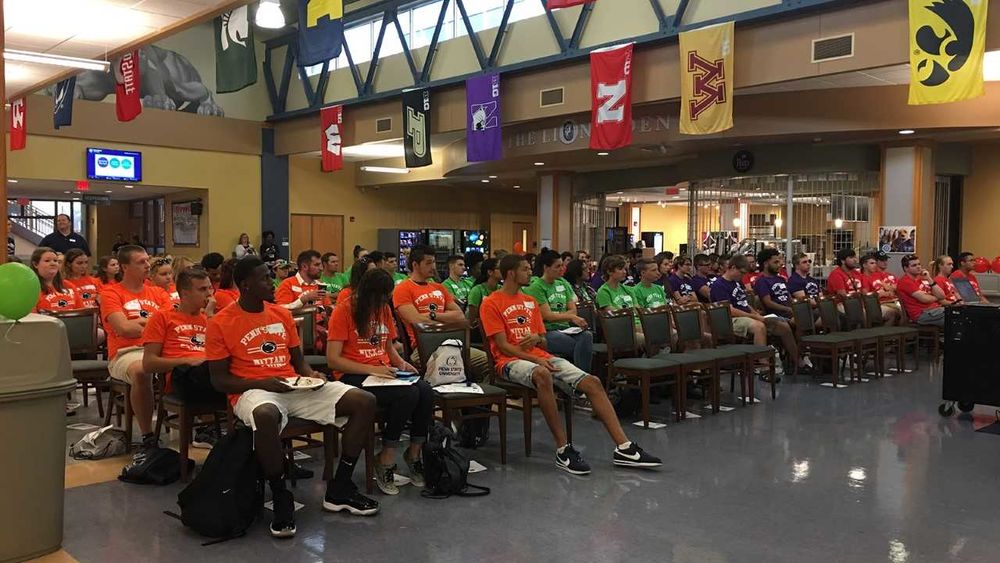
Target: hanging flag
x=235, y=55
x=947, y=45
x=128, y=84
x=18, y=124
x=483, y=139
x=62, y=103
x=321, y=31
x=707, y=79
x=332, y=120
x=611, y=97
x=556, y=4
x=417, y=127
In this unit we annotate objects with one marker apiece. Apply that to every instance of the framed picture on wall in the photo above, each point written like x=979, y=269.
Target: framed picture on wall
x=184, y=223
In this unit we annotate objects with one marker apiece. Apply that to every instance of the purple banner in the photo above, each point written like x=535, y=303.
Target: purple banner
x=482, y=98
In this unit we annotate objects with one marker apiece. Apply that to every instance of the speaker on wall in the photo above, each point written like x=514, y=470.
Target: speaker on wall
x=197, y=208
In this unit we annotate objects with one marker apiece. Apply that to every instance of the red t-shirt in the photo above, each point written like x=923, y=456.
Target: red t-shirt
x=50, y=300
x=116, y=299
x=88, y=287
x=292, y=288
x=950, y=292
x=425, y=297
x=842, y=281
x=516, y=316
x=258, y=345
x=877, y=281
x=750, y=278
x=370, y=350
x=971, y=276
x=907, y=286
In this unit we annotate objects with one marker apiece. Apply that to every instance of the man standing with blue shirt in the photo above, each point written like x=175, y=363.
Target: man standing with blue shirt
x=64, y=238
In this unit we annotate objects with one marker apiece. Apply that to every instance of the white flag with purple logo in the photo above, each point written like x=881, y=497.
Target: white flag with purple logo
x=484, y=140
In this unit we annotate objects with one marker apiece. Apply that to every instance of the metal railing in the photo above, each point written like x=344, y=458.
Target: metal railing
x=31, y=218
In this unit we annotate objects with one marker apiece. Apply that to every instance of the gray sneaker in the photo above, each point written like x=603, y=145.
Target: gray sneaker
x=416, y=472
x=385, y=478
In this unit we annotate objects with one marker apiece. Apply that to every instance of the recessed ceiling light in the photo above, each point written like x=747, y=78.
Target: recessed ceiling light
x=107, y=191
x=76, y=199
x=385, y=169
x=539, y=164
x=906, y=131
x=11, y=181
x=620, y=193
x=128, y=186
x=493, y=177
x=603, y=153
x=485, y=181
x=517, y=186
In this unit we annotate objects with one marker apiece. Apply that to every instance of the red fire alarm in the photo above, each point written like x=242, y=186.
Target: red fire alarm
x=82, y=185
x=673, y=190
x=23, y=201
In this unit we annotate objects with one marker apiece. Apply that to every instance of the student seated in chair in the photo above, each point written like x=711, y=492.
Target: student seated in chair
x=513, y=324
x=557, y=305
x=254, y=353
x=361, y=334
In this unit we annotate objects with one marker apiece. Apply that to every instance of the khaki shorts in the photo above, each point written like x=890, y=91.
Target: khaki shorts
x=567, y=378
x=318, y=405
x=742, y=326
x=118, y=366
x=890, y=309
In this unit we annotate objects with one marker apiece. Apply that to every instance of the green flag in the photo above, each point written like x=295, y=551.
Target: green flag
x=235, y=57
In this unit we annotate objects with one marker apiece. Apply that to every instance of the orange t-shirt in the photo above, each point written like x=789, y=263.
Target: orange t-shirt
x=425, y=297
x=116, y=299
x=233, y=293
x=369, y=350
x=50, y=300
x=182, y=336
x=516, y=316
x=343, y=296
x=88, y=287
x=292, y=287
x=258, y=345
x=222, y=300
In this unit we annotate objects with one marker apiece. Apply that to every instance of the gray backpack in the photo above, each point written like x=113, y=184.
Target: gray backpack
x=99, y=444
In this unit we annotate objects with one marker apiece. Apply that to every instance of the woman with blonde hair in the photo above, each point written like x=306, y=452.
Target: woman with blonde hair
x=244, y=248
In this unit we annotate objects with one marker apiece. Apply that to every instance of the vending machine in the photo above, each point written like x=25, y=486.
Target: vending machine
x=399, y=242
x=445, y=243
x=476, y=241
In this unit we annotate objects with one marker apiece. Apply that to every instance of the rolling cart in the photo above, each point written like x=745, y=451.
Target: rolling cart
x=971, y=357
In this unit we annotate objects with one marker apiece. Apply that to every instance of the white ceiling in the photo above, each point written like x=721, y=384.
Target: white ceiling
x=86, y=28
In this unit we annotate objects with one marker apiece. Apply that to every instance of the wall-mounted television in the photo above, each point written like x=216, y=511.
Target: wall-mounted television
x=110, y=164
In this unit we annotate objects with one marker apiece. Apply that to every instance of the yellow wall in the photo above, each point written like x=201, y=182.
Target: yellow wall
x=231, y=182
x=980, y=202
x=671, y=220
x=413, y=207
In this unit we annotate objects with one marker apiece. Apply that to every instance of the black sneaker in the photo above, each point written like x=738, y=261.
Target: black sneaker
x=205, y=437
x=571, y=461
x=355, y=503
x=283, y=523
x=635, y=456
x=299, y=473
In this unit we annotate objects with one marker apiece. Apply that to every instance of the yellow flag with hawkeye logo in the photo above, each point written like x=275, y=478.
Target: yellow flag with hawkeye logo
x=947, y=44
x=707, y=79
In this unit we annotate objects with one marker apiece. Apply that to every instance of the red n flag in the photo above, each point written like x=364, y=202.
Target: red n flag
x=611, y=97
x=556, y=4
x=128, y=102
x=332, y=119
x=18, y=127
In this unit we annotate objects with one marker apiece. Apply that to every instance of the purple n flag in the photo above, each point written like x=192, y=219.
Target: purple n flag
x=484, y=140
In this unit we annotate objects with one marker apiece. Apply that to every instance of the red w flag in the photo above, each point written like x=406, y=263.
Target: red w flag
x=128, y=102
x=332, y=119
x=611, y=97
x=18, y=127
x=556, y=4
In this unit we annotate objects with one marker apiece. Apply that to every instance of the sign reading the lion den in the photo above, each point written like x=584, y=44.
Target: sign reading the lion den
x=947, y=44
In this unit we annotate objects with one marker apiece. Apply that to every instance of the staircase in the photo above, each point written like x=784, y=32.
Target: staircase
x=28, y=227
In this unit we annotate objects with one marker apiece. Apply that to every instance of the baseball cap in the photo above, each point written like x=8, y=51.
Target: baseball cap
x=881, y=256
x=282, y=264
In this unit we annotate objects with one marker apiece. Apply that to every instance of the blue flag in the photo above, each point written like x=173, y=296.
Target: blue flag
x=321, y=31
x=62, y=103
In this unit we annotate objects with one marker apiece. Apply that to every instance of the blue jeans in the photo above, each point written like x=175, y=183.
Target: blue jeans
x=577, y=348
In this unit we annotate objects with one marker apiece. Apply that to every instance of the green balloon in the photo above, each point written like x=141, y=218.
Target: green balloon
x=19, y=290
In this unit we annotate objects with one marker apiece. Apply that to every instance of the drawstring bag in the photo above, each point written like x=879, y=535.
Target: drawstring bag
x=445, y=365
x=99, y=444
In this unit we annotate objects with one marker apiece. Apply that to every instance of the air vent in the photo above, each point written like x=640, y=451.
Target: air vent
x=552, y=97
x=833, y=48
x=383, y=125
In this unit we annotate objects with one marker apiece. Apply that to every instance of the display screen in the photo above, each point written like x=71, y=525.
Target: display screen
x=407, y=240
x=110, y=164
x=476, y=241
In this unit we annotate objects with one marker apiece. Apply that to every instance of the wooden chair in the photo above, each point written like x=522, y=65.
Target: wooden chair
x=895, y=337
x=527, y=397
x=687, y=319
x=81, y=331
x=926, y=334
x=305, y=321
x=833, y=345
x=174, y=412
x=720, y=322
x=429, y=337
x=629, y=369
x=119, y=405
x=869, y=341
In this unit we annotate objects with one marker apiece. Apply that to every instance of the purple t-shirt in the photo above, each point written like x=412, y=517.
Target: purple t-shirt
x=797, y=282
x=776, y=287
x=681, y=285
x=732, y=291
x=697, y=282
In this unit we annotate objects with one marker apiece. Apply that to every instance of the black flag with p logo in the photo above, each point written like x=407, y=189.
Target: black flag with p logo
x=417, y=127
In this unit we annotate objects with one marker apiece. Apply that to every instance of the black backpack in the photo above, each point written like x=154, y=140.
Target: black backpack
x=445, y=469
x=227, y=495
x=474, y=432
x=154, y=466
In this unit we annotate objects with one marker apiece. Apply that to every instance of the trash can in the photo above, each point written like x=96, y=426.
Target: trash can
x=35, y=375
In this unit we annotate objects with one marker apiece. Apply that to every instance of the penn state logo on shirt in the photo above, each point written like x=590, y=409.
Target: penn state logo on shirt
x=521, y=319
x=198, y=340
x=269, y=347
x=62, y=303
x=144, y=313
x=375, y=340
x=432, y=307
x=87, y=295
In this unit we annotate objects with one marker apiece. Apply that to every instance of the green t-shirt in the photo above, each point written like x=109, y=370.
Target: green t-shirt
x=557, y=295
x=398, y=278
x=334, y=283
x=649, y=297
x=478, y=293
x=460, y=289
x=619, y=298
